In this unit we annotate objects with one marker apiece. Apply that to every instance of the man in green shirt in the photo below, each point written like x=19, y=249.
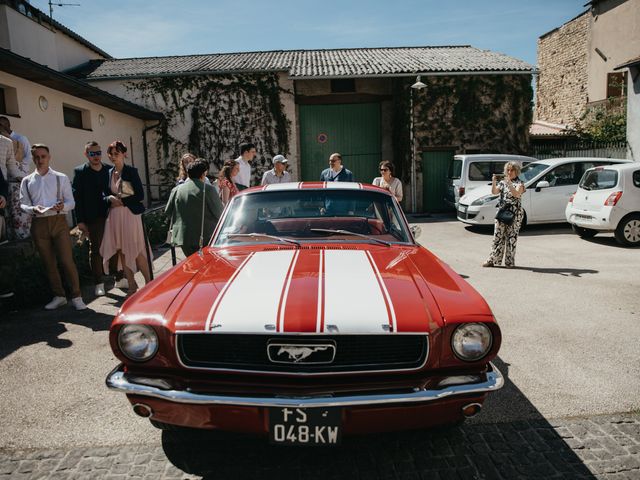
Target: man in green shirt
x=185, y=209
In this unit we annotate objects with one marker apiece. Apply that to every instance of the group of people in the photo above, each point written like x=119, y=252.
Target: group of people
x=108, y=205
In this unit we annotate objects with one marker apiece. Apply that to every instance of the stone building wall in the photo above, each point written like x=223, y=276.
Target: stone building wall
x=563, y=53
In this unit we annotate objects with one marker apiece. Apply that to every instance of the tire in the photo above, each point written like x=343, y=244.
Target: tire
x=584, y=232
x=628, y=231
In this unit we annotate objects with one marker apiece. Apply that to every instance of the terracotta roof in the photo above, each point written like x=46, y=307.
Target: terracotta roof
x=348, y=62
x=541, y=128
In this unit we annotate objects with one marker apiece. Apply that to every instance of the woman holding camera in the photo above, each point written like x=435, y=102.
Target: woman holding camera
x=509, y=217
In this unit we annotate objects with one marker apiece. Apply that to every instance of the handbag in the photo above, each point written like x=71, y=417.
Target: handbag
x=505, y=215
x=125, y=189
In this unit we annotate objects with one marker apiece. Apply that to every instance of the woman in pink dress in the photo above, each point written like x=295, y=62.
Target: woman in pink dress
x=123, y=231
x=226, y=182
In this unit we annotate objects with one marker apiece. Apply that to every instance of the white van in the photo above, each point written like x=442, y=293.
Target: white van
x=467, y=172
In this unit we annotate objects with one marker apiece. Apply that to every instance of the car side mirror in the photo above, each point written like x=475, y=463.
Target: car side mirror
x=542, y=184
x=416, y=231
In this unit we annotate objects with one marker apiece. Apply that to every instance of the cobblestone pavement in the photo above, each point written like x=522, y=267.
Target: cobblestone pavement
x=606, y=447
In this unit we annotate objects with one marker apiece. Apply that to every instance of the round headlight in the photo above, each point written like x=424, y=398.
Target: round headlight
x=471, y=341
x=138, y=342
x=484, y=200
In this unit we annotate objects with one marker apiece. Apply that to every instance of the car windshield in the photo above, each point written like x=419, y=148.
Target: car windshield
x=309, y=215
x=530, y=171
x=599, y=179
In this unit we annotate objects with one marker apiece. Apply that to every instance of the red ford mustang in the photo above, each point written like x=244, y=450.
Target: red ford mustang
x=311, y=314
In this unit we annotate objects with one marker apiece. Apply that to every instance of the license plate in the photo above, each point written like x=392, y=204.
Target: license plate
x=584, y=217
x=305, y=426
x=462, y=209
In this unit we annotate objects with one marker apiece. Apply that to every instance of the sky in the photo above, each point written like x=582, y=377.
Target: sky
x=144, y=28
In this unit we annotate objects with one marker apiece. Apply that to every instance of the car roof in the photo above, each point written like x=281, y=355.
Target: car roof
x=314, y=186
x=624, y=166
x=558, y=161
x=497, y=156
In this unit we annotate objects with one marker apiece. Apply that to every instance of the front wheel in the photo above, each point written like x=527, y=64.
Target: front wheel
x=628, y=231
x=584, y=232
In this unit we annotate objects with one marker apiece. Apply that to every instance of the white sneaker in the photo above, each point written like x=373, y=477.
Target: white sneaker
x=55, y=303
x=122, y=284
x=99, y=291
x=78, y=304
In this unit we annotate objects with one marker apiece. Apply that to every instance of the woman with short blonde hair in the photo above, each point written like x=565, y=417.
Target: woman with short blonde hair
x=509, y=217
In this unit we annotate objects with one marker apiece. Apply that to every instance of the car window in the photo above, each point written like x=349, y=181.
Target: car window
x=301, y=214
x=599, y=180
x=455, y=169
x=482, y=171
x=567, y=174
x=532, y=170
x=636, y=178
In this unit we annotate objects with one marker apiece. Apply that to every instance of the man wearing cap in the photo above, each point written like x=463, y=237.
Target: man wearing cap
x=278, y=174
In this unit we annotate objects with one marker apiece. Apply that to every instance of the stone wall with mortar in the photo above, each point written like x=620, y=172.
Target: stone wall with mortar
x=563, y=57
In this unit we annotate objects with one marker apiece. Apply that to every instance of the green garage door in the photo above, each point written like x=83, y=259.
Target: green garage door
x=435, y=170
x=353, y=130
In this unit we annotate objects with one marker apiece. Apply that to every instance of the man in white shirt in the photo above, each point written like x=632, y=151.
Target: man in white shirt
x=47, y=195
x=5, y=125
x=278, y=174
x=247, y=154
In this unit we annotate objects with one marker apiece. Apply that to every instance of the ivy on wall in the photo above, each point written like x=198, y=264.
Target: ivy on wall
x=469, y=113
x=211, y=116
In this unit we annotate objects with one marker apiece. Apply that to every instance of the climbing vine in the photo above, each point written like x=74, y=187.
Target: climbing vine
x=468, y=113
x=211, y=116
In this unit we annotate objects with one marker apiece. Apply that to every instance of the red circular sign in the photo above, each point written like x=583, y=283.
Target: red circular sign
x=323, y=138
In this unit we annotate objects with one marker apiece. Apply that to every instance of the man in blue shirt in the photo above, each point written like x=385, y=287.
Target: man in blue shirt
x=336, y=171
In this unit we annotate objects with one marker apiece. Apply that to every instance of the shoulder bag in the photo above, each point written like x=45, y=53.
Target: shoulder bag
x=505, y=214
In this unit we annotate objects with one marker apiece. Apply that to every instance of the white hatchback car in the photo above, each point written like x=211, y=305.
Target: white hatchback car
x=608, y=200
x=549, y=185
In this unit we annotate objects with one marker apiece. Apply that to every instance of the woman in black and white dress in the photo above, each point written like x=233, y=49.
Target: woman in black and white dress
x=505, y=237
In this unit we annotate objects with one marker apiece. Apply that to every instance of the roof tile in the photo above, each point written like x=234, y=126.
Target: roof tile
x=313, y=63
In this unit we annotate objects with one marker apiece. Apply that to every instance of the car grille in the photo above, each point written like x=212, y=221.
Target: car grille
x=352, y=352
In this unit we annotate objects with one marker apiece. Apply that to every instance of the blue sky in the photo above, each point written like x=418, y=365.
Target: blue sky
x=137, y=28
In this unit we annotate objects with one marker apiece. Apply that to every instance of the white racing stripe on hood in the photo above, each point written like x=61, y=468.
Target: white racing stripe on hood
x=252, y=298
x=353, y=301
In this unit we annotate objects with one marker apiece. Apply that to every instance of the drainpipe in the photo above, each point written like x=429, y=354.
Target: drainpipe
x=146, y=160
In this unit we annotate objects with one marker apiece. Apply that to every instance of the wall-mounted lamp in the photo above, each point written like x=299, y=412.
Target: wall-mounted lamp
x=418, y=85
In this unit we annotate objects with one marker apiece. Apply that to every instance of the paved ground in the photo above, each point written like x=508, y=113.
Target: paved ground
x=569, y=316
x=603, y=447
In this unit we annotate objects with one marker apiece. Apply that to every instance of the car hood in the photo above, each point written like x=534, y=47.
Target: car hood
x=476, y=193
x=314, y=289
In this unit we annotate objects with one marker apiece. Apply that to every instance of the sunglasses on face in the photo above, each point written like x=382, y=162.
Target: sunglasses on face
x=384, y=169
x=97, y=153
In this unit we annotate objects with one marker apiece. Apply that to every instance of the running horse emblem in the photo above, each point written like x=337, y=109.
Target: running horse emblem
x=300, y=353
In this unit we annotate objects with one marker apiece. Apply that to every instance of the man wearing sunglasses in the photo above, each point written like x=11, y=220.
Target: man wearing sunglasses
x=89, y=182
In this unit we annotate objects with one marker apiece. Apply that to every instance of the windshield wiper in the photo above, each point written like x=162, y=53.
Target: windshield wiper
x=256, y=235
x=347, y=232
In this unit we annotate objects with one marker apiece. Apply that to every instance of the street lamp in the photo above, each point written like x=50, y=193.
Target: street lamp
x=416, y=86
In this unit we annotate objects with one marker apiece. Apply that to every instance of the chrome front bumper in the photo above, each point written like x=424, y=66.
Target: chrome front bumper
x=451, y=386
